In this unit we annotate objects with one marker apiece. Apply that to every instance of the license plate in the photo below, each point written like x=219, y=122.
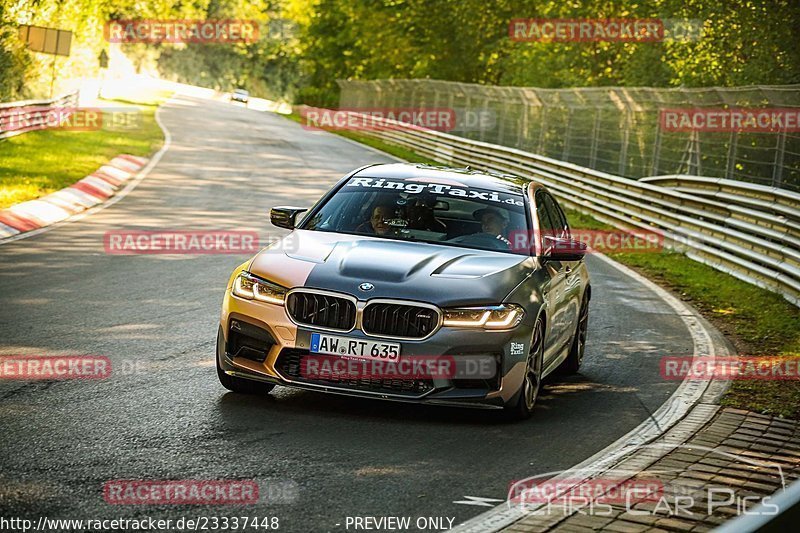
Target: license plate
x=357, y=348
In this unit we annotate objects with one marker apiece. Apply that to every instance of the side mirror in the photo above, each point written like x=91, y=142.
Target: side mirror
x=560, y=249
x=283, y=217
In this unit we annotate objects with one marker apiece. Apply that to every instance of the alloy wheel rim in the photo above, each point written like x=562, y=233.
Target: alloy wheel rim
x=532, y=371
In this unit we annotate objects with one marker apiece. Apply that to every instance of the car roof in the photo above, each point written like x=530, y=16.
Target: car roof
x=469, y=177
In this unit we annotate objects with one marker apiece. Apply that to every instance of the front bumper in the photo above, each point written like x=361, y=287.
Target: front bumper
x=260, y=342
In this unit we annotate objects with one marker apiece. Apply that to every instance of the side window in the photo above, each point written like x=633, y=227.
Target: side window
x=562, y=218
x=556, y=217
x=548, y=227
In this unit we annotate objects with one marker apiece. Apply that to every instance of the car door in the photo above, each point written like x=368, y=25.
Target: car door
x=554, y=287
x=571, y=294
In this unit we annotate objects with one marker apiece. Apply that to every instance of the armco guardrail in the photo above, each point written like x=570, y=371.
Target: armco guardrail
x=713, y=232
x=34, y=121
x=770, y=205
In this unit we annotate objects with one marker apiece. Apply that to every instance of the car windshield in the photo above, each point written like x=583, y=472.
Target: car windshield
x=440, y=212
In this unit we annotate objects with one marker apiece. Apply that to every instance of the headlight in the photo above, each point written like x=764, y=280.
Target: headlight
x=505, y=316
x=252, y=288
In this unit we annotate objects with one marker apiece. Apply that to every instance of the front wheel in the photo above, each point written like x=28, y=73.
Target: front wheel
x=529, y=390
x=233, y=383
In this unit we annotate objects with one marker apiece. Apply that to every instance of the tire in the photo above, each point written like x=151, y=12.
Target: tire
x=572, y=364
x=522, y=408
x=236, y=384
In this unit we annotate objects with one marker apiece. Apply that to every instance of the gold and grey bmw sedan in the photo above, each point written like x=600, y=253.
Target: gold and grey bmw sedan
x=412, y=283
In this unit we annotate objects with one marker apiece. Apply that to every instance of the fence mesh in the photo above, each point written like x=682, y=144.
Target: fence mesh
x=612, y=129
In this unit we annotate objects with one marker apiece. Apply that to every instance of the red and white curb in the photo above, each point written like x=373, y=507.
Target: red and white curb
x=61, y=205
x=91, y=195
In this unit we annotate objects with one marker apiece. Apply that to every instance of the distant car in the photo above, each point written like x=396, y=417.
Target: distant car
x=404, y=262
x=240, y=95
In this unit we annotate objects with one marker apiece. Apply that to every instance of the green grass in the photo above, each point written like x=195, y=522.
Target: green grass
x=40, y=162
x=757, y=321
x=580, y=220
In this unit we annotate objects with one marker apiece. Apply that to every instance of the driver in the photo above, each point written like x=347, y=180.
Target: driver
x=493, y=222
x=378, y=222
x=493, y=226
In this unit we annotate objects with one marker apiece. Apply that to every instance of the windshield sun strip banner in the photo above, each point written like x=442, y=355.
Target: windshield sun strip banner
x=468, y=193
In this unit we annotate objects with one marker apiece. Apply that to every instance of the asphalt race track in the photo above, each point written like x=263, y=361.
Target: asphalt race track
x=162, y=413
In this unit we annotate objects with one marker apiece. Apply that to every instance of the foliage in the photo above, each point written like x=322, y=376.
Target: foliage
x=743, y=42
x=15, y=61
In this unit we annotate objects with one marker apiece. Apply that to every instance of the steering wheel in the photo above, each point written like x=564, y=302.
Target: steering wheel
x=483, y=240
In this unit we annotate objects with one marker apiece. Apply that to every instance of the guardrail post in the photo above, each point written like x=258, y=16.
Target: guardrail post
x=467, y=105
x=656, y=150
x=565, y=151
x=623, y=152
x=360, y=103
x=730, y=166
x=485, y=110
x=450, y=99
x=694, y=154
x=523, y=124
x=395, y=96
x=595, y=138
x=501, y=125
x=780, y=150
x=542, y=129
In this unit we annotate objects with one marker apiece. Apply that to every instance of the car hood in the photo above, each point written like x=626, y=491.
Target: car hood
x=443, y=275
